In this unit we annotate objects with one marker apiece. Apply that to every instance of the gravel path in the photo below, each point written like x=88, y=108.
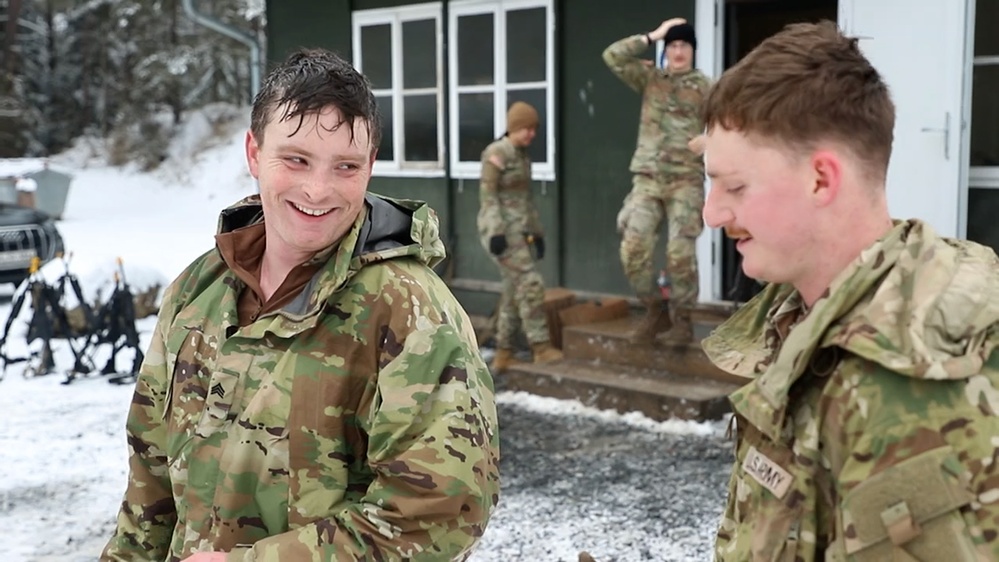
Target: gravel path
x=624, y=488
x=622, y=491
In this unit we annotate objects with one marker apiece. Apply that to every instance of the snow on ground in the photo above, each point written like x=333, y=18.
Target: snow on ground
x=625, y=488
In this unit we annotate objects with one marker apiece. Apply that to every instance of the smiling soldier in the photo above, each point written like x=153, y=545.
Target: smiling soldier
x=313, y=391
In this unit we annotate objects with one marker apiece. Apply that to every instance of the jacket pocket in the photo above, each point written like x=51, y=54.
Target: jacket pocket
x=910, y=511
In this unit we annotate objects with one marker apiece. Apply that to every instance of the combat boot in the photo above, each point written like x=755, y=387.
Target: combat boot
x=545, y=353
x=502, y=360
x=682, y=331
x=655, y=321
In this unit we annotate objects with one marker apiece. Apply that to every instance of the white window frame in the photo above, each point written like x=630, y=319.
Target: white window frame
x=544, y=171
x=395, y=17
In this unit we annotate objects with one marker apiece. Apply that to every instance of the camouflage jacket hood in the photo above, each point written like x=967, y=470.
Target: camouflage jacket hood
x=386, y=229
x=915, y=303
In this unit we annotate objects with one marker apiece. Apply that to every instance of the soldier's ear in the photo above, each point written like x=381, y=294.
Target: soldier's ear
x=252, y=154
x=827, y=173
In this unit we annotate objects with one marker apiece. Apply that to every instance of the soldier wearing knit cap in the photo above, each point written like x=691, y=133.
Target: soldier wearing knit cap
x=521, y=116
x=510, y=230
x=668, y=177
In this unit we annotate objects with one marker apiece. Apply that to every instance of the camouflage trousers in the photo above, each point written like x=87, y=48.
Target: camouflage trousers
x=522, y=301
x=679, y=199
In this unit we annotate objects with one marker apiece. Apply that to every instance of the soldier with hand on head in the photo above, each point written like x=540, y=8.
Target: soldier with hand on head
x=668, y=176
x=313, y=390
x=511, y=232
x=868, y=430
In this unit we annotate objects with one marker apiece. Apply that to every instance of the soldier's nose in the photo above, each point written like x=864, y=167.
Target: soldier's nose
x=715, y=213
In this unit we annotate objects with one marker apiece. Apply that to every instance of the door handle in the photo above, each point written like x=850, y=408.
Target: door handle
x=946, y=133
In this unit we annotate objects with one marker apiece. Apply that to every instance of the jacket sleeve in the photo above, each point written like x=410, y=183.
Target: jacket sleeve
x=533, y=216
x=433, y=446
x=703, y=89
x=622, y=58
x=147, y=514
x=491, y=221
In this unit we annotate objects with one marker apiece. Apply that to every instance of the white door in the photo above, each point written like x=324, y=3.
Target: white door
x=919, y=49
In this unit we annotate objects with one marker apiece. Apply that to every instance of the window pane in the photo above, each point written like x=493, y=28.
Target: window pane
x=983, y=205
x=475, y=125
x=419, y=54
x=376, y=54
x=539, y=146
x=525, y=40
x=986, y=38
x=475, y=49
x=385, y=151
x=421, y=128
x=985, y=116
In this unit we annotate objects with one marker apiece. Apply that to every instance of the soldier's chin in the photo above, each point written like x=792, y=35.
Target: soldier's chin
x=750, y=270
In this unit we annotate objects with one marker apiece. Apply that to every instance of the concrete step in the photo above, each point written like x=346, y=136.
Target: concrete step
x=607, y=343
x=710, y=314
x=657, y=394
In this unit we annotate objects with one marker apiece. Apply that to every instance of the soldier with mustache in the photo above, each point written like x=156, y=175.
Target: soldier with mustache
x=868, y=429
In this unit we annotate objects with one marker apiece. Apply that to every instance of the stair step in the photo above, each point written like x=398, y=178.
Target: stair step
x=607, y=343
x=711, y=314
x=658, y=394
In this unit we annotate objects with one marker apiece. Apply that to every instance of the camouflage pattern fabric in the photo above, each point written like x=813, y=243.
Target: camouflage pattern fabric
x=671, y=109
x=522, y=300
x=679, y=198
x=506, y=206
x=869, y=429
x=669, y=177
x=506, y=202
x=357, y=423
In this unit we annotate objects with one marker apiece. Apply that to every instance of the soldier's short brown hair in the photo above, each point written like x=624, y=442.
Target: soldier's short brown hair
x=807, y=84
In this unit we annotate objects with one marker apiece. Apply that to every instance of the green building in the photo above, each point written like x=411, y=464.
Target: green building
x=445, y=72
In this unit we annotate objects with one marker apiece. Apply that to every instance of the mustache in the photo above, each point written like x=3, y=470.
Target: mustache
x=736, y=233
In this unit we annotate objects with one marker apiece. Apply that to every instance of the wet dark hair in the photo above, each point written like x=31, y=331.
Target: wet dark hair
x=309, y=81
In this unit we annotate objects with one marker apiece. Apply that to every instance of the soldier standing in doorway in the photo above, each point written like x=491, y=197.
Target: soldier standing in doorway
x=511, y=232
x=668, y=177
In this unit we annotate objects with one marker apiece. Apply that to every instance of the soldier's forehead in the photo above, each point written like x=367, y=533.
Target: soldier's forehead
x=713, y=171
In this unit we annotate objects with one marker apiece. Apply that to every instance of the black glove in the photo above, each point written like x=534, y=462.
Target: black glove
x=497, y=244
x=539, y=246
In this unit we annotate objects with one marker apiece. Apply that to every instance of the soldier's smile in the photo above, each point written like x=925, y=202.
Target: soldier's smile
x=310, y=211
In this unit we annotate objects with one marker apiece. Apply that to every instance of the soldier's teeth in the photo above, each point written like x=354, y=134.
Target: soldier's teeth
x=313, y=212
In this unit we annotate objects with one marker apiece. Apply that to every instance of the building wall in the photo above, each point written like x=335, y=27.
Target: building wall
x=596, y=120
x=307, y=23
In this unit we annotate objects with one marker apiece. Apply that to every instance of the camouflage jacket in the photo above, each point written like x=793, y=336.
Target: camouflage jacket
x=869, y=430
x=506, y=202
x=357, y=423
x=671, y=109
